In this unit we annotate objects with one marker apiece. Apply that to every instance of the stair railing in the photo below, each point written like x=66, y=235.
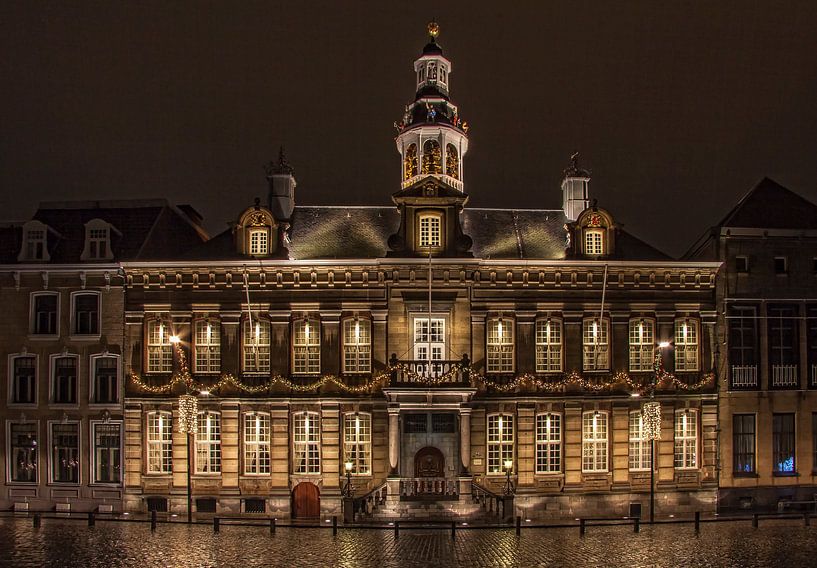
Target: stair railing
x=368, y=503
x=486, y=498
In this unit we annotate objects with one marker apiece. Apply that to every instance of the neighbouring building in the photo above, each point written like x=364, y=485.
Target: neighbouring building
x=421, y=343
x=61, y=338
x=767, y=340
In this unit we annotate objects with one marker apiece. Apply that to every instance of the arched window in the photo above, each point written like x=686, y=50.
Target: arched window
x=432, y=157
x=452, y=162
x=64, y=373
x=208, y=443
x=594, y=242
x=410, y=162
x=259, y=241
x=429, y=234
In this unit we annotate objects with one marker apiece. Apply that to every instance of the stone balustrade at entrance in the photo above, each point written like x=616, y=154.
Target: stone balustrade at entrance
x=429, y=487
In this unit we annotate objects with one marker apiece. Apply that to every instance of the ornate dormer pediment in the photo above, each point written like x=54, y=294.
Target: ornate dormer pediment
x=593, y=234
x=258, y=234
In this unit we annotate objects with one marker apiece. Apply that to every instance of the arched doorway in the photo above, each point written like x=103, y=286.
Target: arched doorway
x=429, y=462
x=306, y=501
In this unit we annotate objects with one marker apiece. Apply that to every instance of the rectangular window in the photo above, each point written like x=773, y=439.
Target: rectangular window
x=429, y=342
x=86, y=314
x=780, y=265
x=430, y=231
x=357, y=442
x=443, y=423
x=742, y=264
x=594, y=441
x=357, y=346
x=44, y=314
x=548, y=346
x=307, y=442
x=642, y=344
x=23, y=455
x=256, y=346
x=259, y=241
x=256, y=443
x=306, y=344
x=548, y=443
x=743, y=345
x=640, y=444
x=415, y=423
x=208, y=443
x=783, y=443
x=65, y=452
x=160, y=442
x=686, y=439
x=743, y=443
x=97, y=243
x=784, y=345
x=595, y=339
x=160, y=350
x=686, y=345
x=35, y=244
x=107, y=452
x=106, y=379
x=594, y=242
x=65, y=380
x=207, y=338
x=23, y=388
x=500, y=442
x=500, y=346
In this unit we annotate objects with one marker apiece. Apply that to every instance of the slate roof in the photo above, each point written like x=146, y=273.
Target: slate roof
x=769, y=205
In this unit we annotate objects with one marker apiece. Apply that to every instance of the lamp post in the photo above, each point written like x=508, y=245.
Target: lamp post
x=508, y=490
x=347, y=490
x=651, y=418
x=188, y=421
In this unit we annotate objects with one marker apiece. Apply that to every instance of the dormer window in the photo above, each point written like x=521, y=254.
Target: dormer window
x=35, y=244
x=594, y=242
x=256, y=232
x=259, y=242
x=97, y=241
x=430, y=233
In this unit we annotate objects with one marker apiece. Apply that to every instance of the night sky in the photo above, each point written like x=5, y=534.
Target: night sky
x=677, y=108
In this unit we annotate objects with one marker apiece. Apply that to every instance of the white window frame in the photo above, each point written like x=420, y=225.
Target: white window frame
x=641, y=344
x=306, y=346
x=35, y=242
x=52, y=461
x=255, y=346
x=93, y=427
x=499, y=439
x=207, y=346
x=549, y=334
x=97, y=237
x=595, y=441
x=257, y=443
x=429, y=338
x=92, y=371
x=52, y=383
x=357, y=442
x=258, y=241
x=75, y=334
x=548, y=443
x=687, y=344
x=640, y=446
x=37, y=447
x=159, y=352
x=208, y=443
x=596, y=344
x=499, y=345
x=306, y=443
x=357, y=345
x=429, y=230
x=12, y=382
x=159, y=443
x=685, y=454
x=594, y=244
x=33, y=316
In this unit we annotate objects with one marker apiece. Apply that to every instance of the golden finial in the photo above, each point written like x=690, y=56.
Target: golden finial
x=433, y=30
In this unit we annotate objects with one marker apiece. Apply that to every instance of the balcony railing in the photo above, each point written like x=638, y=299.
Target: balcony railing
x=785, y=376
x=437, y=487
x=744, y=376
x=423, y=373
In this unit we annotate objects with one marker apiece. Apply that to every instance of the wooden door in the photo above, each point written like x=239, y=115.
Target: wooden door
x=429, y=462
x=306, y=501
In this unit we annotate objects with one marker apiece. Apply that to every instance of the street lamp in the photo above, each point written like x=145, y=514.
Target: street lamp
x=651, y=419
x=347, y=490
x=188, y=422
x=508, y=490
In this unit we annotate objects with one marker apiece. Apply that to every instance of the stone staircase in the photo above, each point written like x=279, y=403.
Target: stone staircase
x=462, y=510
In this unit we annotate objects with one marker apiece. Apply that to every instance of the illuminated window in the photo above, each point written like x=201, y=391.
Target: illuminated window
x=207, y=337
x=594, y=441
x=208, y=443
x=357, y=442
x=548, y=346
x=306, y=443
x=430, y=231
x=642, y=344
x=107, y=452
x=65, y=452
x=23, y=454
x=259, y=241
x=548, y=443
x=640, y=445
x=160, y=350
x=686, y=345
x=452, y=161
x=306, y=345
x=686, y=439
x=357, y=346
x=64, y=379
x=24, y=380
x=595, y=340
x=44, y=313
x=160, y=442
x=500, y=345
x=256, y=443
x=594, y=242
x=410, y=162
x=783, y=445
x=432, y=157
x=256, y=346
x=500, y=442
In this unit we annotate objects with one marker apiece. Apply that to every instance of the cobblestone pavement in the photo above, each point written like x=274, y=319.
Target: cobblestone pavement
x=66, y=543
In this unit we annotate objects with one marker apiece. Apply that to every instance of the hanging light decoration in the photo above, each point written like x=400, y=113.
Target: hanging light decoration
x=188, y=414
x=651, y=416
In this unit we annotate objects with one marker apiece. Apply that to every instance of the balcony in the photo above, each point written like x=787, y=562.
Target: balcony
x=424, y=373
x=744, y=376
x=785, y=376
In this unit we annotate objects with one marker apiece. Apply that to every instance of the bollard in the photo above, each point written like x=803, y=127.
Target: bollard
x=396, y=529
x=334, y=525
x=806, y=519
x=272, y=526
x=581, y=527
x=518, y=525
x=453, y=530
x=91, y=519
x=636, y=525
x=216, y=526
x=755, y=520
x=153, y=520
x=697, y=522
x=36, y=520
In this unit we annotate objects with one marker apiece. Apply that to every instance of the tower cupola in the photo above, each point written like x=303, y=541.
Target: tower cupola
x=575, y=189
